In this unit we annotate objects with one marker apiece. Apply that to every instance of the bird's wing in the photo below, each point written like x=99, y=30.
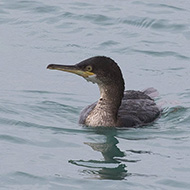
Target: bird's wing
x=137, y=108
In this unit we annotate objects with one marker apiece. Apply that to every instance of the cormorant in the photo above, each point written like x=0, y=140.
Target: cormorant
x=115, y=107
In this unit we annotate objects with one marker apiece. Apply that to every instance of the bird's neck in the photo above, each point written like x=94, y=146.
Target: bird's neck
x=106, y=110
x=110, y=97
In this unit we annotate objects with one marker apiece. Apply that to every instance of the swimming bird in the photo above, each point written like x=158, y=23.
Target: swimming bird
x=115, y=107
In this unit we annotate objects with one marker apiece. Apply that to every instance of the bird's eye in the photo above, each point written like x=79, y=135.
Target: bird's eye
x=88, y=68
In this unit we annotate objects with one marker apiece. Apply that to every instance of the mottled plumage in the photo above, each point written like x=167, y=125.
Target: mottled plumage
x=137, y=108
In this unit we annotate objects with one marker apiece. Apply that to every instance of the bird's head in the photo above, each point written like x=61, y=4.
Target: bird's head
x=99, y=69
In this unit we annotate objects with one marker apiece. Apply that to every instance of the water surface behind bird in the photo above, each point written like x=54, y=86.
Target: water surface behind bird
x=42, y=145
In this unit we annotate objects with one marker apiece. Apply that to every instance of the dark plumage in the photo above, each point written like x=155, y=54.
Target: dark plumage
x=115, y=107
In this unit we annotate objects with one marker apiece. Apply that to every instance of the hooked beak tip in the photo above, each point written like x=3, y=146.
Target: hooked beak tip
x=50, y=66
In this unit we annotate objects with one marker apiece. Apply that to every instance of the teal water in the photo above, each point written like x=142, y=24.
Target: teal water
x=42, y=146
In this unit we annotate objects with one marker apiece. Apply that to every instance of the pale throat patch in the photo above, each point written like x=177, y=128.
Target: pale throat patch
x=92, y=78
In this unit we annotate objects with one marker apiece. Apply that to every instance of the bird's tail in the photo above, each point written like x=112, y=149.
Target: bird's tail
x=152, y=92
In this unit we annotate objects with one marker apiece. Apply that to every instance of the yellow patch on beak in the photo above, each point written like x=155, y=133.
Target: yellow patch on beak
x=84, y=74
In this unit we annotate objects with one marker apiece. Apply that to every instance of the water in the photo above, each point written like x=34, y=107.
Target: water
x=42, y=146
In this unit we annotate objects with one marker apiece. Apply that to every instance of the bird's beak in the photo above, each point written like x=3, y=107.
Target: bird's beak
x=71, y=69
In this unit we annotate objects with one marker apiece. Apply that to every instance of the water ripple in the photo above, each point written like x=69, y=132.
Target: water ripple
x=166, y=6
x=162, y=25
x=36, y=6
x=159, y=5
x=162, y=53
x=13, y=139
x=139, y=22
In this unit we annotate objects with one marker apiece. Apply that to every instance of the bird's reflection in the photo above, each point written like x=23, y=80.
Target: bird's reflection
x=111, y=166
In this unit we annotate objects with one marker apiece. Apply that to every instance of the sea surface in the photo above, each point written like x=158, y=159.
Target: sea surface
x=42, y=146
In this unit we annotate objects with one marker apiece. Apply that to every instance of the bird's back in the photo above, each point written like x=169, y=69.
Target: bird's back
x=137, y=108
